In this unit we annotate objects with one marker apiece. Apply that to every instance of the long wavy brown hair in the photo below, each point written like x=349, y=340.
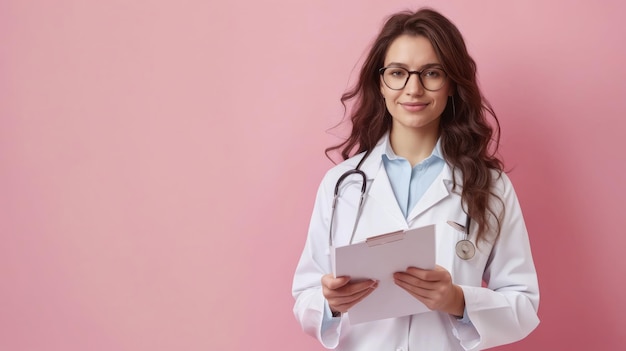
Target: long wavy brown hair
x=469, y=143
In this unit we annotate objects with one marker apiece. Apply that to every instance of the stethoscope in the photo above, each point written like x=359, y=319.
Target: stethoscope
x=465, y=248
x=357, y=170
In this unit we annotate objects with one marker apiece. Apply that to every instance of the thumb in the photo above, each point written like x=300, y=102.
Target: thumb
x=333, y=283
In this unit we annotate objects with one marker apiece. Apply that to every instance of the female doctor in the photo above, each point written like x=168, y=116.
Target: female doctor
x=424, y=154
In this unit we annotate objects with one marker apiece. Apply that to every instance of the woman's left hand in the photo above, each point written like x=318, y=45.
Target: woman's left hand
x=433, y=288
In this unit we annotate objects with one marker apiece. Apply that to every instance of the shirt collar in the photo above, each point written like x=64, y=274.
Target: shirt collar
x=390, y=155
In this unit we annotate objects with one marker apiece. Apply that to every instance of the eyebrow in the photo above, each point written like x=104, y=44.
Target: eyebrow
x=422, y=67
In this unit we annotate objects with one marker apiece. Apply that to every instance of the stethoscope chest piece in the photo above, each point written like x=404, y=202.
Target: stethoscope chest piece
x=465, y=249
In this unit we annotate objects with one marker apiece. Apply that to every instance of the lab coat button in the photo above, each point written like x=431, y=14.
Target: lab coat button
x=399, y=349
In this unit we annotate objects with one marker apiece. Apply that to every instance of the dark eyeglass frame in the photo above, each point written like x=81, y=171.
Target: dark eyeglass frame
x=382, y=70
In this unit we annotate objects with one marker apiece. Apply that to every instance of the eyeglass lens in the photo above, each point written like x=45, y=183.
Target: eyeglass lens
x=396, y=78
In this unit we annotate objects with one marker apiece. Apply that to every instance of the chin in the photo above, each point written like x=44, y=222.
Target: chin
x=417, y=124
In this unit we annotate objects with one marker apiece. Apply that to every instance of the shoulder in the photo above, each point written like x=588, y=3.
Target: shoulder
x=330, y=179
x=501, y=183
x=335, y=172
x=369, y=166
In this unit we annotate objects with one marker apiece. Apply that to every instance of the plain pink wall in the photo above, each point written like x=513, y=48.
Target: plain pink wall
x=159, y=160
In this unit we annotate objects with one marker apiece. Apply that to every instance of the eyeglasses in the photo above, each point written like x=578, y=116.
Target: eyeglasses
x=432, y=79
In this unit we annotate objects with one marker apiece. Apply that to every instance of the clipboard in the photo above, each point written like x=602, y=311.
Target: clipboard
x=378, y=258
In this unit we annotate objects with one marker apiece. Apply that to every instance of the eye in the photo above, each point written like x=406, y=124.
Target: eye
x=431, y=73
x=396, y=72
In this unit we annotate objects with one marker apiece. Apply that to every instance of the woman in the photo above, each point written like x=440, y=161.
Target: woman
x=421, y=136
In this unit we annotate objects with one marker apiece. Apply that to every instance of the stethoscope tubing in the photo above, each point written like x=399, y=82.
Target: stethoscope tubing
x=465, y=249
x=336, y=198
x=356, y=170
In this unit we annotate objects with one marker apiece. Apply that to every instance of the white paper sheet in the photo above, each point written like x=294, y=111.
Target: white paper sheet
x=378, y=258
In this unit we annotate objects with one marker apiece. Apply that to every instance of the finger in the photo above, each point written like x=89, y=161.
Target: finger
x=412, y=280
x=332, y=283
x=432, y=275
x=347, y=299
x=422, y=292
x=421, y=274
x=419, y=294
x=425, y=296
x=348, y=289
x=343, y=305
x=436, y=297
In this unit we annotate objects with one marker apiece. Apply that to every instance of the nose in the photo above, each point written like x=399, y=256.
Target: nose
x=414, y=85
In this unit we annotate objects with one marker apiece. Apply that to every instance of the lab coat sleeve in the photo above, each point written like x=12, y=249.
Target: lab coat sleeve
x=505, y=310
x=310, y=304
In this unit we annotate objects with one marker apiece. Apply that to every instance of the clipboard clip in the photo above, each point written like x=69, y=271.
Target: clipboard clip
x=385, y=238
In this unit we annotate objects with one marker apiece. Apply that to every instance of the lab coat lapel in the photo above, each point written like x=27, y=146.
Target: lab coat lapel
x=439, y=190
x=380, y=194
x=381, y=212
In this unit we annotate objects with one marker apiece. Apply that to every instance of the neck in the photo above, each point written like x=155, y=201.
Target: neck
x=414, y=145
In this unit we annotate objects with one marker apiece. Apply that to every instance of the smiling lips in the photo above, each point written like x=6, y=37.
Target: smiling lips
x=414, y=106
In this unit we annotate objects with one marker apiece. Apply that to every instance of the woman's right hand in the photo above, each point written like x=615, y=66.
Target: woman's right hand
x=341, y=294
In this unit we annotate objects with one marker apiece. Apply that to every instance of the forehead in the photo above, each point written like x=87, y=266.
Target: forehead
x=411, y=50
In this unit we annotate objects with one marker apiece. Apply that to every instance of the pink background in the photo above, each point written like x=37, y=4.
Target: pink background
x=159, y=160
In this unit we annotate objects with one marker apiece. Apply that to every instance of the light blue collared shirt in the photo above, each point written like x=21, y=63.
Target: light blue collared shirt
x=410, y=183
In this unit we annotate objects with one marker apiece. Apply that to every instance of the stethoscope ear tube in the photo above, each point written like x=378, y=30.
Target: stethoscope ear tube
x=332, y=218
x=356, y=170
x=347, y=174
x=336, y=197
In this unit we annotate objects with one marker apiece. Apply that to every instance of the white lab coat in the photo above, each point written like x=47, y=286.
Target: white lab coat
x=503, y=311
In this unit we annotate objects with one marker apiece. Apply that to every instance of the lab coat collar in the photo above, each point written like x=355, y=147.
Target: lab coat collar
x=439, y=190
x=380, y=187
x=391, y=155
x=372, y=164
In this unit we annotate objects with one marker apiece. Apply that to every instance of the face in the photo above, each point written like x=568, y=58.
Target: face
x=414, y=107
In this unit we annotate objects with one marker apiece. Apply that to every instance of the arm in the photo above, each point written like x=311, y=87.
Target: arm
x=505, y=310
x=317, y=293
x=310, y=305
